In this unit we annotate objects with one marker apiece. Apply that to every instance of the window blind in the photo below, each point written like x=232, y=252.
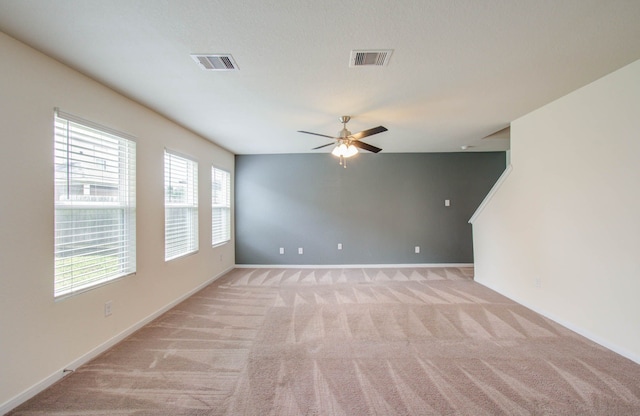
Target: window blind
x=220, y=206
x=95, y=202
x=180, y=206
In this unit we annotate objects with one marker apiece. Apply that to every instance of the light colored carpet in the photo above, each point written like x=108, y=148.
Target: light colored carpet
x=423, y=341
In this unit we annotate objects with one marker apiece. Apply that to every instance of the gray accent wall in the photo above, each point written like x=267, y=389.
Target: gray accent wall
x=380, y=208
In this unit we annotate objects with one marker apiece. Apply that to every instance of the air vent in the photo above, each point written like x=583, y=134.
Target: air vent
x=216, y=62
x=370, y=58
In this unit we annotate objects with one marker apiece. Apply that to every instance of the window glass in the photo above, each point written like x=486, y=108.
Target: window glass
x=95, y=216
x=180, y=206
x=220, y=206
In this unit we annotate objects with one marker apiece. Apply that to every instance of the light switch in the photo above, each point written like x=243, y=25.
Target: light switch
x=447, y=202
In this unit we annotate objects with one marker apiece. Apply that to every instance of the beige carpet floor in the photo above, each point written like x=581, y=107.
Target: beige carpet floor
x=423, y=341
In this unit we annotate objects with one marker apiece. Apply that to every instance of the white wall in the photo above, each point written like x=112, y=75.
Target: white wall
x=562, y=233
x=39, y=336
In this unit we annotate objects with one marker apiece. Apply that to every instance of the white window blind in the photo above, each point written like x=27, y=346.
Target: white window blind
x=95, y=204
x=180, y=206
x=220, y=206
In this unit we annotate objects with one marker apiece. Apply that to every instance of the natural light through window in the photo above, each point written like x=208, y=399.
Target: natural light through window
x=220, y=206
x=95, y=204
x=180, y=206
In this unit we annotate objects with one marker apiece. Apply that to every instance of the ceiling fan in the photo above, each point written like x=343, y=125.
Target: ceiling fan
x=347, y=144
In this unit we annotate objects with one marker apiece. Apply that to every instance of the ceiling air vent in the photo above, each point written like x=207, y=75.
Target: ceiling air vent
x=370, y=58
x=216, y=62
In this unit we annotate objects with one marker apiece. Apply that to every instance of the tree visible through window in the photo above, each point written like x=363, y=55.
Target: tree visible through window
x=220, y=206
x=95, y=217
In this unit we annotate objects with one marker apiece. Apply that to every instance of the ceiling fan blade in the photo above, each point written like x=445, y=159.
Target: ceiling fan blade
x=365, y=146
x=366, y=133
x=324, y=145
x=316, y=134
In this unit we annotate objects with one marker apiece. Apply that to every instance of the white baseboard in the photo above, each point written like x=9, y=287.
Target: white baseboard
x=350, y=266
x=68, y=369
x=578, y=330
x=31, y=391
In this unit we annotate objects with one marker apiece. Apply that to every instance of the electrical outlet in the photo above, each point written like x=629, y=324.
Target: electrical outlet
x=417, y=249
x=339, y=246
x=447, y=202
x=107, y=308
x=300, y=250
x=538, y=282
x=281, y=250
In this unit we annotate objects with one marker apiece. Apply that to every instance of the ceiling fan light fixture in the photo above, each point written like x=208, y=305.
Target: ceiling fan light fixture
x=344, y=150
x=351, y=151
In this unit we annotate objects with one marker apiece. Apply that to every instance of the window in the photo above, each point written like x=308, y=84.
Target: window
x=220, y=206
x=180, y=206
x=95, y=204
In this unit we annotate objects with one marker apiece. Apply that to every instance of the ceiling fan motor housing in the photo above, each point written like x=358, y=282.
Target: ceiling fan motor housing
x=344, y=133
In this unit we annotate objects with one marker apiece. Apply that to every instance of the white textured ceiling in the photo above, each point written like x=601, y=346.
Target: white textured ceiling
x=461, y=69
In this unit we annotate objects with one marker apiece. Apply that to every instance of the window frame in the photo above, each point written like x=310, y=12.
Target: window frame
x=224, y=205
x=94, y=232
x=189, y=205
